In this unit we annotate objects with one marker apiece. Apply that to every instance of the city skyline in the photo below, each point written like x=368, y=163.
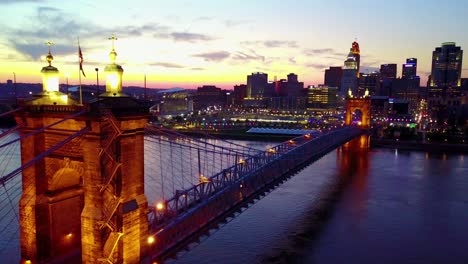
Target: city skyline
x=189, y=44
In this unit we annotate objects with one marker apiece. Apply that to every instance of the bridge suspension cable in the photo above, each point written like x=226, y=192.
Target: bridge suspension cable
x=43, y=128
x=11, y=185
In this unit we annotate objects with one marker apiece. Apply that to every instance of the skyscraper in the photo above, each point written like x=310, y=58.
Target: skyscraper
x=356, y=53
x=370, y=82
x=387, y=75
x=388, y=71
x=408, y=70
x=321, y=97
x=333, y=77
x=349, y=78
x=256, y=85
x=294, y=86
x=444, y=91
x=446, y=66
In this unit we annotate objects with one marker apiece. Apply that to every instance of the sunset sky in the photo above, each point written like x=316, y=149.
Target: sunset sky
x=182, y=43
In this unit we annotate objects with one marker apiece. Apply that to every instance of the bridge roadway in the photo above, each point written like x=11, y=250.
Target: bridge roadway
x=189, y=211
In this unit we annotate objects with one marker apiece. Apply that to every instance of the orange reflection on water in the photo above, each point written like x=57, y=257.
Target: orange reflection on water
x=353, y=168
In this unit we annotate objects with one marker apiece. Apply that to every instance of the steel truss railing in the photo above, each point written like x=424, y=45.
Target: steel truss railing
x=211, y=198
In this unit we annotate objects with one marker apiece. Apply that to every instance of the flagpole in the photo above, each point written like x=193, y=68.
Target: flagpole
x=79, y=74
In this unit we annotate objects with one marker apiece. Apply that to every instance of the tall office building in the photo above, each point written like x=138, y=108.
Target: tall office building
x=388, y=71
x=444, y=91
x=408, y=70
x=322, y=98
x=240, y=92
x=294, y=86
x=349, y=80
x=406, y=89
x=257, y=85
x=209, y=95
x=333, y=77
x=357, y=56
x=370, y=82
x=446, y=66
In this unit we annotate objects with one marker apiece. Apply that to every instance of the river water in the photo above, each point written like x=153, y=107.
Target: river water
x=377, y=206
x=381, y=206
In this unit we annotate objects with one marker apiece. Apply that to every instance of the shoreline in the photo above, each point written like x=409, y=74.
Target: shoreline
x=419, y=146
x=238, y=135
x=374, y=142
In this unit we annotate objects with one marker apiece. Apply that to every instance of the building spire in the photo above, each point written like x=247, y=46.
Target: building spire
x=113, y=54
x=49, y=57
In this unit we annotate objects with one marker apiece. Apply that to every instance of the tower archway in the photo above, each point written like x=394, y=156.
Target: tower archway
x=363, y=106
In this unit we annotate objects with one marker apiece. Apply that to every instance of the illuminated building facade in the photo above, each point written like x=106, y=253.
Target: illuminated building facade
x=357, y=56
x=407, y=89
x=409, y=69
x=174, y=101
x=370, y=82
x=349, y=80
x=444, y=90
x=257, y=85
x=209, y=95
x=446, y=66
x=322, y=97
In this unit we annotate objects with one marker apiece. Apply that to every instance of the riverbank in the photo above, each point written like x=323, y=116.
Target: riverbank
x=419, y=146
x=240, y=134
x=237, y=134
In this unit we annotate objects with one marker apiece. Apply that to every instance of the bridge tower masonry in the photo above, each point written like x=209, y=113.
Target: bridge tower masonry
x=84, y=202
x=52, y=193
x=362, y=104
x=115, y=215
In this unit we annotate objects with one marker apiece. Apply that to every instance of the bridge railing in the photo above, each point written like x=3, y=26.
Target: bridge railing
x=192, y=209
x=292, y=150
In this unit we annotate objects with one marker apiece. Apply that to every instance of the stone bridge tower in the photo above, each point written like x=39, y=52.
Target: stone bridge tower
x=362, y=104
x=83, y=202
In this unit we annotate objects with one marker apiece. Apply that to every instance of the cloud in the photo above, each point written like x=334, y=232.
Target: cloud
x=167, y=65
x=368, y=68
x=272, y=43
x=183, y=36
x=6, y=2
x=324, y=51
x=203, y=18
x=280, y=43
x=316, y=66
x=54, y=22
x=292, y=60
x=234, y=23
x=213, y=56
x=36, y=50
x=248, y=55
x=197, y=69
x=189, y=37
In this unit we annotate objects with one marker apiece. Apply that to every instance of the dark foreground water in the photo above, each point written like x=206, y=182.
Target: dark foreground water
x=384, y=206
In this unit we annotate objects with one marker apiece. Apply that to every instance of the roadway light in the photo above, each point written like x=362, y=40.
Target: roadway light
x=159, y=206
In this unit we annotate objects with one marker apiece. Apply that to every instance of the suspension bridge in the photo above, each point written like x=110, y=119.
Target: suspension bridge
x=95, y=183
x=189, y=182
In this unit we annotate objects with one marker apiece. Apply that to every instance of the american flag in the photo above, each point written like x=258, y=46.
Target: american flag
x=80, y=55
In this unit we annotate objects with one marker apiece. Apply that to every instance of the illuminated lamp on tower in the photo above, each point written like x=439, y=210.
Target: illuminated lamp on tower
x=113, y=74
x=50, y=94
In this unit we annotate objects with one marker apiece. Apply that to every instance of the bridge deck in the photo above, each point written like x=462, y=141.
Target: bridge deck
x=191, y=210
